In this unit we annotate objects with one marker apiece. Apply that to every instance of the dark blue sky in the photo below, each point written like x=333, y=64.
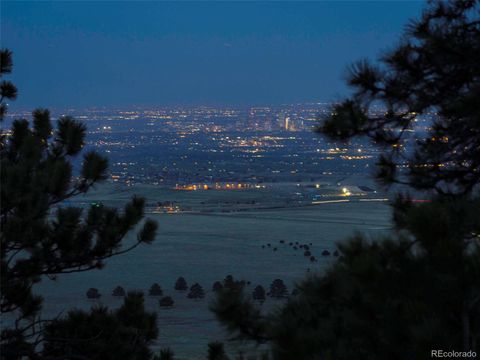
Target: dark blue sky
x=70, y=54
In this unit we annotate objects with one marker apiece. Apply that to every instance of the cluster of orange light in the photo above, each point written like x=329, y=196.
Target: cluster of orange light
x=217, y=186
x=349, y=157
x=442, y=139
x=192, y=187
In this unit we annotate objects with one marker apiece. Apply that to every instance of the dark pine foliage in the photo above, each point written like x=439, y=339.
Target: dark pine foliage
x=259, y=293
x=41, y=235
x=435, y=69
x=417, y=289
x=155, y=290
x=196, y=292
x=118, y=291
x=239, y=314
x=278, y=289
x=125, y=333
x=165, y=354
x=230, y=283
x=216, y=351
x=181, y=284
x=93, y=293
x=8, y=91
x=217, y=285
x=389, y=298
x=166, y=301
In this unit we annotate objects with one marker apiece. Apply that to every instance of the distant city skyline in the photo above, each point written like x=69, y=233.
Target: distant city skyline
x=72, y=54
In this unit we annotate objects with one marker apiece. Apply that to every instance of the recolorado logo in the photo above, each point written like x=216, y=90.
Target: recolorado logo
x=454, y=354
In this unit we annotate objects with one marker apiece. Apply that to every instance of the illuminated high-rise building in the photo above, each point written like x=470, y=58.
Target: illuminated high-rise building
x=284, y=121
x=281, y=120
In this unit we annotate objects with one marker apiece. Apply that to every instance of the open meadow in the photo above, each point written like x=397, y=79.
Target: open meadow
x=205, y=247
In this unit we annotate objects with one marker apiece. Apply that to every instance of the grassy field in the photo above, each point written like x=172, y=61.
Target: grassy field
x=205, y=247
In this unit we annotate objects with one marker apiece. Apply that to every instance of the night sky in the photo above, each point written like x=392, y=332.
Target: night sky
x=69, y=54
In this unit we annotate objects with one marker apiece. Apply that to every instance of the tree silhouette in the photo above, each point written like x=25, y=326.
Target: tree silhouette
x=166, y=301
x=259, y=293
x=7, y=89
x=165, y=354
x=278, y=289
x=239, y=314
x=181, y=284
x=216, y=351
x=93, y=293
x=435, y=69
x=417, y=289
x=41, y=236
x=228, y=282
x=155, y=290
x=125, y=333
x=217, y=285
x=118, y=291
x=196, y=292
